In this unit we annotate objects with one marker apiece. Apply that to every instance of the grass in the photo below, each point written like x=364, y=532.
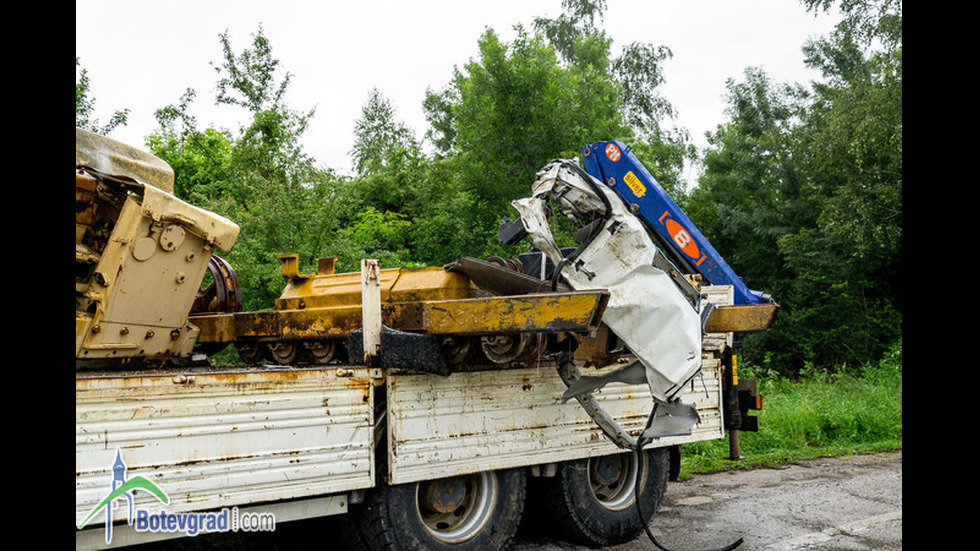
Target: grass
x=818, y=414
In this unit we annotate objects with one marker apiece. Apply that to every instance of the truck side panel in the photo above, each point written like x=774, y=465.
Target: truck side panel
x=471, y=422
x=495, y=420
x=232, y=438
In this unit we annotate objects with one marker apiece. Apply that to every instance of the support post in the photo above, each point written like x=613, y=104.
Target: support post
x=371, y=311
x=734, y=449
x=733, y=413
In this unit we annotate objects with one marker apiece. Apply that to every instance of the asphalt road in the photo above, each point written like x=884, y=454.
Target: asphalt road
x=839, y=504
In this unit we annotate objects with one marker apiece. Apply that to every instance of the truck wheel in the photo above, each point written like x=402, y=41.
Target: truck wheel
x=472, y=512
x=592, y=500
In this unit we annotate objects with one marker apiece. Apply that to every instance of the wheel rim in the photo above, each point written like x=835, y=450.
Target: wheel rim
x=320, y=352
x=502, y=348
x=250, y=353
x=457, y=349
x=283, y=353
x=613, y=480
x=454, y=510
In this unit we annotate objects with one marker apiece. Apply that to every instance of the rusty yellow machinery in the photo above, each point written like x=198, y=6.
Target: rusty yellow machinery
x=140, y=257
x=142, y=253
x=316, y=314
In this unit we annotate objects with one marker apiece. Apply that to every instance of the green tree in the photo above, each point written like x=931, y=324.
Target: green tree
x=258, y=176
x=438, y=109
x=512, y=110
x=420, y=200
x=519, y=109
x=85, y=106
x=544, y=95
x=802, y=190
x=637, y=71
x=636, y=75
x=751, y=193
x=271, y=141
x=849, y=264
x=378, y=137
x=201, y=159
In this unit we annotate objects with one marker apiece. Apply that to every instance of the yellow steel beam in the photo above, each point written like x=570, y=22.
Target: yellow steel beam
x=575, y=311
x=741, y=318
x=550, y=312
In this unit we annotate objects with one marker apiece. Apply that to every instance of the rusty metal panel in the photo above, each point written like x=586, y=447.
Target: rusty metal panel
x=545, y=312
x=112, y=157
x=397, y=285
x=572, y=311
x=742, y=318
x=134, y=301
x=470, y=422
x=218, y=439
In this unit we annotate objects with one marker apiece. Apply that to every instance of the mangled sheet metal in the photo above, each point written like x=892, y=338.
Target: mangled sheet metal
x=646, y=309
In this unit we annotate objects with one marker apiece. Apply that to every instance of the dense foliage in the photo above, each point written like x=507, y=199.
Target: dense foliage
x=802, y=190
x=801, y=187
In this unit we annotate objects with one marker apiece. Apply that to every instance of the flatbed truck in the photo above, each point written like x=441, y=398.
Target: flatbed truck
x=407, y=459
x=289, y=443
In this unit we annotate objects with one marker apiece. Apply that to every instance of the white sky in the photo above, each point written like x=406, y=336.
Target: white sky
x=143, y=55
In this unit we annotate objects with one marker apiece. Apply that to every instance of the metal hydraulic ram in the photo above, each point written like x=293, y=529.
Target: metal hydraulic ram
x=613, y=164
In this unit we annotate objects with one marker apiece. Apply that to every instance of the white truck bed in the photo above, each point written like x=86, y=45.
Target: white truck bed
x=275, y=438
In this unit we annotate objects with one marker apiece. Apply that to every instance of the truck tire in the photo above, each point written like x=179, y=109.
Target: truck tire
x=472, y=512
x=591, y=501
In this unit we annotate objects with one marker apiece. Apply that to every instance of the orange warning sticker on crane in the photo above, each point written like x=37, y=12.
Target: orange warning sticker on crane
x=682, y=238
x=613, y=152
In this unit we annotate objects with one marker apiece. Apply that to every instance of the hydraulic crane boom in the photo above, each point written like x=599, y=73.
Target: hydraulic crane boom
x=614, y=164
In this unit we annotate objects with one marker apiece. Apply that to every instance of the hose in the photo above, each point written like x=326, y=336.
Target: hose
x=640, y=443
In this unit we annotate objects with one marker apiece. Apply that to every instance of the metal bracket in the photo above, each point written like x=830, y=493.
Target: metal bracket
x=569, y=372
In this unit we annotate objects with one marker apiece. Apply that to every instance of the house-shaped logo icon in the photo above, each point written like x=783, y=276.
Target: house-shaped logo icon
x=123, y=488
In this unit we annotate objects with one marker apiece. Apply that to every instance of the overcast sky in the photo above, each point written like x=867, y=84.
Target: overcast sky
x=143, y=55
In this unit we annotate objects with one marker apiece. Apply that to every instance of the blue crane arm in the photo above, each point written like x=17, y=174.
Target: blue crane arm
x=613, y=164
